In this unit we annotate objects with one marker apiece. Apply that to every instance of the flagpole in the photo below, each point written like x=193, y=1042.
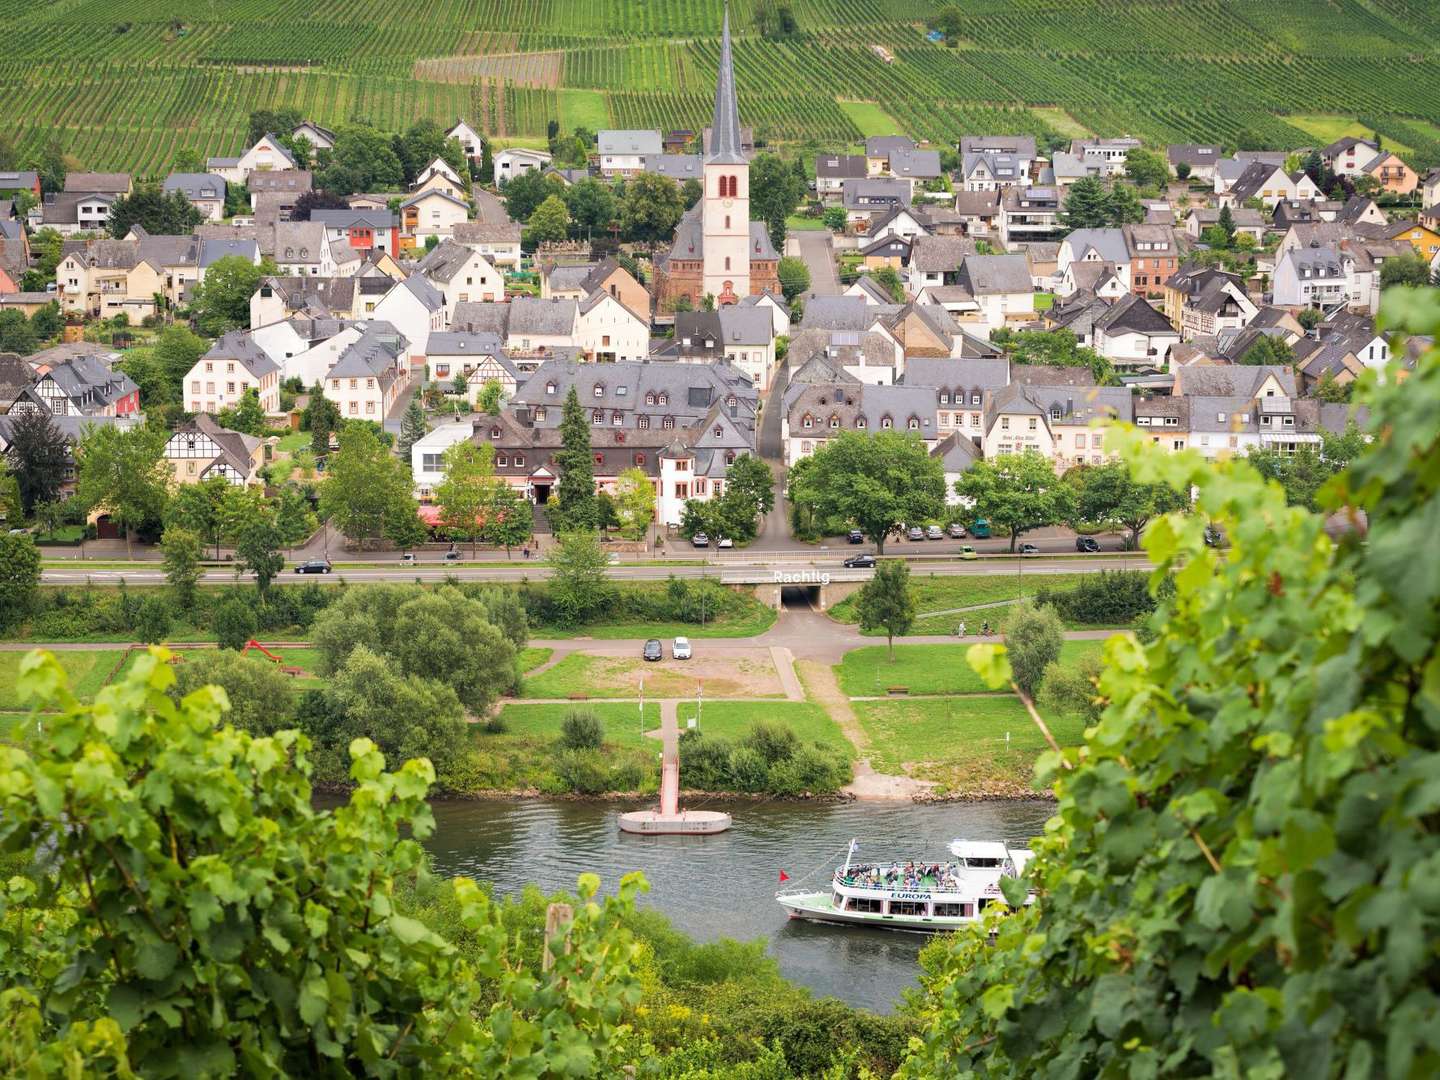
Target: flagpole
x=850, y=851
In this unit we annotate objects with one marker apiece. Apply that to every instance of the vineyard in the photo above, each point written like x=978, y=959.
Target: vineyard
x=128, y=83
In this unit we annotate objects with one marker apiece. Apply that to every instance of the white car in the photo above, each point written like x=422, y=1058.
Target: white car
x=681, y=649
x=724, y=542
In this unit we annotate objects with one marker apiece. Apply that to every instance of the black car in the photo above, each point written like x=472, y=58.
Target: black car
x=860, y=562
x=653, y=650
x=855, y=536
x=1029, y=549
x=1086, y=543
x=313, y=566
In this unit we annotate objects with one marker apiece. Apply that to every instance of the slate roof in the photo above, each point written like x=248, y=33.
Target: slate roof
x=346, y=219
x=1021, y=145
x=239, y=346
x=841, y=313
x=293, y=181
x=1252, y=180
x=293, y=241
x=96, y=182
x=481, y=317
x=531, y=315
x=1050, y=375
x=213, y=250
x=90, y=382
x=628, y=142
x=1204, y=155
x=419, y=287
x=1233, y=380
x=981, y=204
x=236, y=448
x=916, y=164
x=1109, y=244
x=1322, y=261
x=372, y=355
x=986, y=275
x=196, y=186
x=678, y=167
x=1243, y=217
x=445, y=261
x=878, y=146
x=486, y=232
x=690, y=391
x=16, y=376
x=872, y=194
x=746, y=325
x=328, y=293
x=1133, y=314
x=965, y=375
x=840, y=166
x=17, y=179
x=941, y=254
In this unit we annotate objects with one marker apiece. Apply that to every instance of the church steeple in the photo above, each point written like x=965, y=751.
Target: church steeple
x=725, y=127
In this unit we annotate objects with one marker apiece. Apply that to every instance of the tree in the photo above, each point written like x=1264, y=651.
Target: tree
x=1108, y=496
x=412, y=428
x=422, y=143
x=153, y=619
x=549, y=223
x=1182, y=170
x=886, y=603
x=577, y=584
x=509, y=519
x=38, y=456
x=463, y=493
x=1087, y=205
x=158, y=213
x=181, y=549
x=1123, y=206
x=52, y=163
x=692, y=191
x=12, y=510
x=322, y=419
x=775, y=192
x=247, y=415
x=1329, y=390
x=176, y=351
x=316, y=199
x=487, y=163
x=1408, y=269
x=575, y=491
x=222, y=302
x=362, y=159
x=592, y=205
x=1271, y=350
x=277, y=122
x=1071, y=689
x=294, y=520
x=1146, y=169
x=19, y=578
x=490, y=398
x=650, y=208
x=448, y=638
x=634, y=503
x=888, y=278
x=250, y=523
x=367, y=491
x=197, y=508
x=275, y=912
x=1033, y=641
x=581, y=730
x=233, y=622
x=1016, y=493
x=47, y=322
x=877, y=481
x=124, y=474
x=794, y=276
x=1059, y=348
x=1226, y=223
x=260, y=694
x=16, y=333
x=752, y=482
x=524, y=193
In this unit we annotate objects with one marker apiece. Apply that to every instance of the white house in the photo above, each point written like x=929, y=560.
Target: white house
x=369, y=373
x=516, y=160
x=302, y=249
x=432, y=213
x=461, y=274
x=499, y=242
x=321, y=138
x=608, y=330
x=267, y=154
x=623, y=153
x=1092, y=246
x=235, y=364
x=427, y=455
x=415, y=308
x=469, y=139
x=1131, y=333
x=1312, y=276
x=204, y=191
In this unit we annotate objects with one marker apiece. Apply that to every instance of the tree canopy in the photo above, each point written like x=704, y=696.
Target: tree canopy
x=367, y=491
x=155, y=211
x=1016, y=493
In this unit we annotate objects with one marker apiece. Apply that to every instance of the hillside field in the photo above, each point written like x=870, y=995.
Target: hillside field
x=127, y=83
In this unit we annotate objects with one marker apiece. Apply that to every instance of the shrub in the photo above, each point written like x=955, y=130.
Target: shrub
x=584, y=772
x=234, y=623
x=152, y=622
x=1033, y=642
x=748, y=769
x=1071, y=688
x=810, y=770
x=495, y=724
x=772, y=742
x=1111, y=597
x=260, y=695
x=581, y=730
x=705, y=761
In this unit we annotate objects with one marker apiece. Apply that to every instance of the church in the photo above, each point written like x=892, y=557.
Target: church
x=718, y=251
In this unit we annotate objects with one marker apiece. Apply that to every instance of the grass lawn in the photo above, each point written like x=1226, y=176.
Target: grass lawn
x=923, y=669
x=622, y=722
x=1060, y=121
x=530, y=658
x=960, y=742
x=800, y=223
x=65, y=534
x=760, y=620
x=621, y=676
x=936, y=593
x=583, y=108
x=734, y=719
x=1328, y=127
x=870, y=118
x=86, y=668
x=1044, y=301
x=296, y=440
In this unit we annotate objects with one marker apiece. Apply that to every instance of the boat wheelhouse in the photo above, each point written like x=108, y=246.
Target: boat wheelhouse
x=920, y=896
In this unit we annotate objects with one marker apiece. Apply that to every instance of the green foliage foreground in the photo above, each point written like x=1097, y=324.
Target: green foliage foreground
x=195, y=916
x=1243, y=874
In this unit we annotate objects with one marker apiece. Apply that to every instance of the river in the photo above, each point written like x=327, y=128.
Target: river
x=724, y=886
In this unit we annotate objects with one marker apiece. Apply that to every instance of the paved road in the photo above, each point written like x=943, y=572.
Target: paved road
x=819, y=255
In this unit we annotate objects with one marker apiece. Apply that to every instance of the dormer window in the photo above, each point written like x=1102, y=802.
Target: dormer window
x=599, y=389
x=494, y=433
x=860, y=422
x=914, y=423
x=616, y=418
x=731, y=401
x=649, y=399
x=549, y=388
x=729, y=457
x=663, y=399
x=668, y=423
x=807, y=422
x=719, y=431
x=642, y=422
x=886, y=423
x=834, y=421
x=1056, y=412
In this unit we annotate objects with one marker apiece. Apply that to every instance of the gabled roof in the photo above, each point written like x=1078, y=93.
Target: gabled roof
x=372, y=355
x=92, y=183
x=486, y=232
x=465, y=343
x=418, y=286
x=1233, y=380
x=240, y=346
x=746, y=325
x=678, y=167
x=481, y=317
x=196, y=186
x=445, y=261
x=1134, y=314
x=945, y=373
x=1021, y=145
x=628, y=142
x=434, y=193
x=1193, y=154
x=1108, y=244
x=840, y=166
x=986, y=275
x=237, y=449
x=15, y=377
x=531, y=315
x=213, y=250
x=295, y=181
x=941, y=254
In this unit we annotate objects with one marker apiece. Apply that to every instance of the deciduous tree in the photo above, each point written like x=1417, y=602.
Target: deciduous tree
x=1108, y=496
x=156, y=212
x=1016, y=493
x=885, y=602
x=794, y=276
x=463, y=494
x=650, y=208
x=577, y=576
x=549, y=223
x=634, y=503
x=222, y=302
x=1033, y=640
x=37, y=456
x=124, y=474
x=19, y=578
x=367, y=492
x=250, y=523
x=181, y=549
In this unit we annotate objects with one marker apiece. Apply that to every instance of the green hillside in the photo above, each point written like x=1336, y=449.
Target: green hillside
x=126, y=83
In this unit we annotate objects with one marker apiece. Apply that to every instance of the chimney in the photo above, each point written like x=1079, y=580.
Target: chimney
x=1069, y=406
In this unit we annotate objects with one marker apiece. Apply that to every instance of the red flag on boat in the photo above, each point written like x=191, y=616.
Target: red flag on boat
x=784, y=876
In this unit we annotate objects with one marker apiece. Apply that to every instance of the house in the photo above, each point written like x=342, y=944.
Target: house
x=27, y=303
x=515, y=160
x=832, y=170
x=1313, y=276
x=112, y=278
x=1093, y=246
x=1131, y=333
x=1290, y=212
x=1153, y=254
x=268, y=153
x=960, y=385
x=13, y=181
x=865, y=200
x=438, y=175
x=427, y=455
x=1389, y=170
x=979, y=212
x=460, y=353
x=1066, y=168
x=299, y=248
x=469, y=139
x=370, y=373
x=72, y=429
x=87, y=386
x=1429, y=191
x=742, y=336
x=234, y=365
x=535, y=326
x=774, y=304
x=901, y=222
x=204, y=191
x=17, y=383
x=431, y=212
x=201, y=448
x=362, y=230
x=1425, y=239
x=69, y=213
x=1166, y=419
x=1348, y=156
x=1229, y=170
x=677, y=167
x=499, y=242
x=956, y=454
x=818, y=413
x=1019, y=147
x=1271, y=184
x=1198, y=158
x=1340, y=349
x=992, y=171
x=935, y=260
x=623, y=152
x=321, y=138
x=1203, y=301
x=1014, y=422
x=1242, y=218
x=919, y=167
x=1358, y=210
x=279, y=298
x=278, y=190
x=608, y=330
x=1105, y=156
x=989, y=292
x=415, y=308
x=461, y=274
x=880, y=148
x=1030, y=213
x=579, y=281
x=892, y=251
x=116, y=185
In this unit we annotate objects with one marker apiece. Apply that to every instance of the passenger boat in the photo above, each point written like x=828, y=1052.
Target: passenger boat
x=918, y=895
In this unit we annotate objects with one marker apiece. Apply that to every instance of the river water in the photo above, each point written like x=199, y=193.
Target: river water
x=724, y=886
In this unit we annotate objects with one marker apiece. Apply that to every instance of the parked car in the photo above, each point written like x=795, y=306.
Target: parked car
x=1029, y=549
x=408, y=559
x=681, y=649
x=860, y=562
x=313, y=566
x=915, y=533
x=957, y=531
x=856, y=536
x=1214, y=536
x=968, y=552
x=981, y=529
x=700, y=540
x=1086, y=543
x=653, y=651
x=724, y=542
x=934, y=532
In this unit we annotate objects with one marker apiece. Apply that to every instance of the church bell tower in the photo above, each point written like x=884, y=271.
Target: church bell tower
x=725, y=209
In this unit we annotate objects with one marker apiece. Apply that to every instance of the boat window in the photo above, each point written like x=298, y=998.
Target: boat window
x=948, y=909
x=986, y=864
x=909, y=907
x=864, y=903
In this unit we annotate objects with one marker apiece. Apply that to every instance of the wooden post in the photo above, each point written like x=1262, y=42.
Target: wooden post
x=557, y=918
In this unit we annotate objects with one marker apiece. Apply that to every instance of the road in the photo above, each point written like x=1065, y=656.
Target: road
x=819, y=255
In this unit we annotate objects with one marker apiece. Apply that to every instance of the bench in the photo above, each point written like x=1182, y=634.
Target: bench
x=897, y=690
